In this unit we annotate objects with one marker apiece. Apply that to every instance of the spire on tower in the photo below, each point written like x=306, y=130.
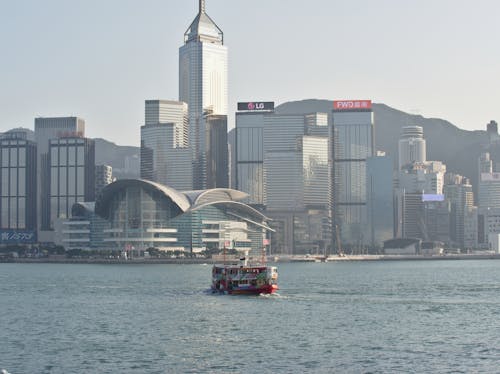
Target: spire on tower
x=202, y=6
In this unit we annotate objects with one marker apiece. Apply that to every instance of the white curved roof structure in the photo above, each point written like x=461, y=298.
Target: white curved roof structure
x=215, y=194
x=102, y=204
x=186, y=201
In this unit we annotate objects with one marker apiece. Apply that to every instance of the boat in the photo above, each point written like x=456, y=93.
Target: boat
x=244, y=279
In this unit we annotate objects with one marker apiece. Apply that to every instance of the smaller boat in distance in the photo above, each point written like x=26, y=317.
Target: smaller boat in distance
x=244, y=279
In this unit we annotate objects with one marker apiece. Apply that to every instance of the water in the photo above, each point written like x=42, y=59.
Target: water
x=428, y=316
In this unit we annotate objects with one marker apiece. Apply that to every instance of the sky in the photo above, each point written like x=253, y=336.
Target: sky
x=100, y=59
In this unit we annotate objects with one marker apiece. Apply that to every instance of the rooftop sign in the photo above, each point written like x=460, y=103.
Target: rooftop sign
x=255, y=106
x=352, y=104
x=432, y=197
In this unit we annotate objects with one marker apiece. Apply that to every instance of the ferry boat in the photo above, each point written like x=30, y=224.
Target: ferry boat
x=244, y=279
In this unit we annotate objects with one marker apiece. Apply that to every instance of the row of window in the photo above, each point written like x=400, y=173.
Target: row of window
x=13, y=157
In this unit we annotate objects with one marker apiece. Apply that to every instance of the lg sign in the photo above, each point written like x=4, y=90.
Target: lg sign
x=352, y=104
x=255, y=106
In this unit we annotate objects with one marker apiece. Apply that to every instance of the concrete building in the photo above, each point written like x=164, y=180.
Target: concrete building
x=489, y=190
x=103, y=177
x=165, y=155
x=427, y=177
x=203, y=84
x=18, y=185
x=411, y=146
x=353, y=144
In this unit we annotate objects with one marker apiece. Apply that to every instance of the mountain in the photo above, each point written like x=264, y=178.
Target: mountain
x=458, y=149
x=108, y=153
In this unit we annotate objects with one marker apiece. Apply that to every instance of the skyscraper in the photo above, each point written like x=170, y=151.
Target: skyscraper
x=379, y=190
x=282, y=163
x=411, y=146
x=71, y=176
x=203, y=86
x=352, y=145
x=165, y=155
x=45, y=130
x=17, y=182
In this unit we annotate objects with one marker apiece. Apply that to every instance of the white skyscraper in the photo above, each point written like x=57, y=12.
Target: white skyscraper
x=165, y=156
x=202, y=84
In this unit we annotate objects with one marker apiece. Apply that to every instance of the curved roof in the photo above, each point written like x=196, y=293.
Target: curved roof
x=102, y=204
x=236, y=204
x=82, y=208
x=215, y=194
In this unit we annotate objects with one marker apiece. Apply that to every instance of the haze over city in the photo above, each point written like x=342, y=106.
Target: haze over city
x=101, y=60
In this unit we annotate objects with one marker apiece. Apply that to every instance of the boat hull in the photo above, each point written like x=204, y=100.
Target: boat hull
x=266, y=289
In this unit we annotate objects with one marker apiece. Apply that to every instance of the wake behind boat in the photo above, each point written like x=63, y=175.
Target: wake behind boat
x=244, y=279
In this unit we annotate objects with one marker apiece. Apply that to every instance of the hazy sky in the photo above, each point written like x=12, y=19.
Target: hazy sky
x=100, y=59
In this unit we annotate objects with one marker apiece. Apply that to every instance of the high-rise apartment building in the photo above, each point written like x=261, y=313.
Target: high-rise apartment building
x=103, y=177
x=165, y=154
x=352, y=143
x=17, y=182
x=203, y=85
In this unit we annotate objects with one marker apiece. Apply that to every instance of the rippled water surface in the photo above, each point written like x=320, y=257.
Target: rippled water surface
x=420, y=316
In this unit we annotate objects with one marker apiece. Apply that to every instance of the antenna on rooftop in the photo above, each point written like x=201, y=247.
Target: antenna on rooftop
x=202, y=6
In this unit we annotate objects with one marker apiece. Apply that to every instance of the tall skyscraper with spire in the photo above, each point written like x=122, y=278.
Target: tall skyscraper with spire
x=203, y=86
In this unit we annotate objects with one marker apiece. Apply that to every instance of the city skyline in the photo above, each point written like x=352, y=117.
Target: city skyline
x=100, y=62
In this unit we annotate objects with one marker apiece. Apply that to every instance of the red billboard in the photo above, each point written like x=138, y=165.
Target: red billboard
x=352, y=104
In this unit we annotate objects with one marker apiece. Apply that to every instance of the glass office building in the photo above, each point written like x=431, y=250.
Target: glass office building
x=72, y=177
x=352, y=144
x=17, y=182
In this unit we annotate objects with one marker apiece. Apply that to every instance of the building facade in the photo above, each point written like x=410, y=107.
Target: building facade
x=17, y=182
x=143, y=214
x=379, y=176
x=47, y=129
x=353, y=144
x=203, y=84
x=103, y=177
x=71, y=177
x=411, y=146
x=165, y=154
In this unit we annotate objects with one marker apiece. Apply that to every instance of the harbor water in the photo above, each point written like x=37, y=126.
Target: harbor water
x=345, y=317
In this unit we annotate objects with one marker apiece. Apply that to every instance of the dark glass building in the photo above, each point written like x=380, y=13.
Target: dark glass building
x=72, y=177
x=17, y=182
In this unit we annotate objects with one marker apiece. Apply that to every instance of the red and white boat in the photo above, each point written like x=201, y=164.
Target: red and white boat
x=244, y=279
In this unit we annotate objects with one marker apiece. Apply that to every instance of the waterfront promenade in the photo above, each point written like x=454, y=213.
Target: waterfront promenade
x=274, y=259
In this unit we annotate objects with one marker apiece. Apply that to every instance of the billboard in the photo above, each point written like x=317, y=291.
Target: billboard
x=17, y=237
x=255, y=106
x=352, y=104
x=432, y=197
x=489, y=177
